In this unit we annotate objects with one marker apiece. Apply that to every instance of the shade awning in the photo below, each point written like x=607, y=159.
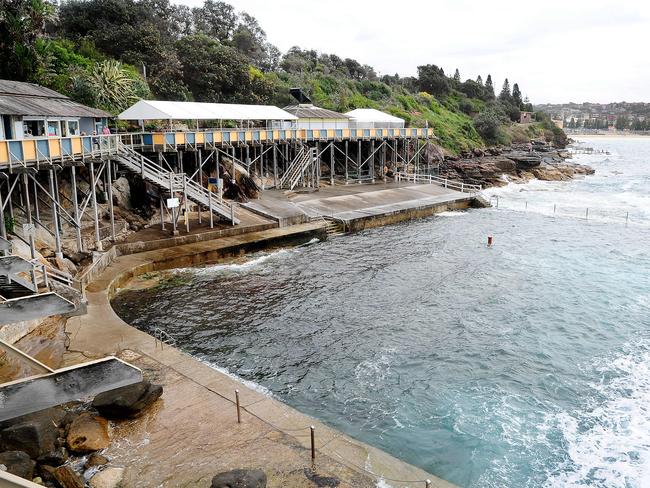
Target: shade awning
x=373, y=115
x=163, y=110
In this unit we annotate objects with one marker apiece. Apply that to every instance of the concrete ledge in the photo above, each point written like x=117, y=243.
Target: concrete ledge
x=125, y=248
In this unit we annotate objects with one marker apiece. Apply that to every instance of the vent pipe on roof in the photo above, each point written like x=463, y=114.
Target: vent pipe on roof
x=299, y=95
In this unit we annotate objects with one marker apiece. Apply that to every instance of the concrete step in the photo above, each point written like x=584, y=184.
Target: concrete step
x=34, y=307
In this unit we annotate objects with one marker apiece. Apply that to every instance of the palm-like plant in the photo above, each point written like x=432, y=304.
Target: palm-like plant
x=114, y=89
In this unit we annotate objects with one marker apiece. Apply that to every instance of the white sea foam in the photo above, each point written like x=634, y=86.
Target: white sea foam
x=609, y=444
x=249, y=384
x=452, y=213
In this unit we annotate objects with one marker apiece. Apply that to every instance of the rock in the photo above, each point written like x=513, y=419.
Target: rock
x=35, y=437
x=55, y=458
x=96, y=460
x=38, y=480
x=240, y=478
x=108, y=478
x=88, y=433
x=127, y=401
x=67, y=478
x=18, y=463
x=122, y=193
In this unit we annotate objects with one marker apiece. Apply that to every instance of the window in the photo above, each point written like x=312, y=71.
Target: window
x=73, y=127
x=34, y=128
x=54, y=128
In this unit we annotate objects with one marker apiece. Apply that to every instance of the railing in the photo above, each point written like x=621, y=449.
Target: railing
x=51, y=150
x=444, y=182
x=175, y=182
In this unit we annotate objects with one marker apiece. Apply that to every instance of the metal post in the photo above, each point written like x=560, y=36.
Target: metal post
x=313, y=443
x=238, y=406
x=55, y=219
x=187, y=207
x=199, y=177
x=210, y=208
x=28, y=210
x=171, y=195
x=587, y=214
x=232, y=213
x=332, y=163
x=554, y=207
x=75, y=203
x=109, y=187
x=372, y=161
x=359, y=161
x=98, y=242
x=162, y=213
x=38, y=213
x=627, y=217
x=275, y=165
x=346, y=162
x=3, y=229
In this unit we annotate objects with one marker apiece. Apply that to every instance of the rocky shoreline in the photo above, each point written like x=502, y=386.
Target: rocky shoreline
x=519, y=163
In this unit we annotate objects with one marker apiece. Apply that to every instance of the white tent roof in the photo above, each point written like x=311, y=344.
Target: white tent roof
x=372, y=115
x=162, y=110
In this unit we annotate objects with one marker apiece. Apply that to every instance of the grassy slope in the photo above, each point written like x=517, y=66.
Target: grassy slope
x=453, y=128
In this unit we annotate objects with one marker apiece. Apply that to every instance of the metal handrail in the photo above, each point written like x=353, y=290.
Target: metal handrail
x=444, y=182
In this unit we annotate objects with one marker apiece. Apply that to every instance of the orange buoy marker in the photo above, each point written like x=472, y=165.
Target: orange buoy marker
x=489, y=241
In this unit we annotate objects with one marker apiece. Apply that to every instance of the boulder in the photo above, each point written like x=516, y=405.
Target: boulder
x=88, y=433
x=35, y=437
x=96, y=460
x=55, y=458
x=108, y=478
x=127, y=401
x=18, y=463
x=122, y=193
x=67, y=478
x=240, y=478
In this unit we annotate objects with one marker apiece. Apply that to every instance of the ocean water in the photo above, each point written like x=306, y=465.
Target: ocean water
x=522, y=365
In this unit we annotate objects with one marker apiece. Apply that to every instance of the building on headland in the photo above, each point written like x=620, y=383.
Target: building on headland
x=29, y=110
x=526, y=117
x=370, y=118
x=181, y=151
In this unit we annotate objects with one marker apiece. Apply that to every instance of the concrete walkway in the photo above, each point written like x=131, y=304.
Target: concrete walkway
x=192, y=432
x=361, y=206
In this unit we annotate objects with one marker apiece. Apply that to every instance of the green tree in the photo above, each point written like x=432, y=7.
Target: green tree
x=489, y=85
x=457, y=76
x=622, y=122
x=433, y=80
x=487, y=125
x=505, y=94
x=114, y=87
x=22, y=22
x=479, y=80
x=516, y=96
x=212, y=71
x=215, y=19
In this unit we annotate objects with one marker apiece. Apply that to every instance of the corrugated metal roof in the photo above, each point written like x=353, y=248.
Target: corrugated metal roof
x=312, y=112
x=163, y=110
x=19, y=98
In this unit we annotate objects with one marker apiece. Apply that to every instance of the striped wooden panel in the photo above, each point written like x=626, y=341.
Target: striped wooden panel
x=4, y=152
x=76, y=146
x=159, y=139
x=55, y=147
x=29, y=150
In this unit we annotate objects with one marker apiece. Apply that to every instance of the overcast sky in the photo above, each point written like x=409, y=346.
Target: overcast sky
x=557, y=50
